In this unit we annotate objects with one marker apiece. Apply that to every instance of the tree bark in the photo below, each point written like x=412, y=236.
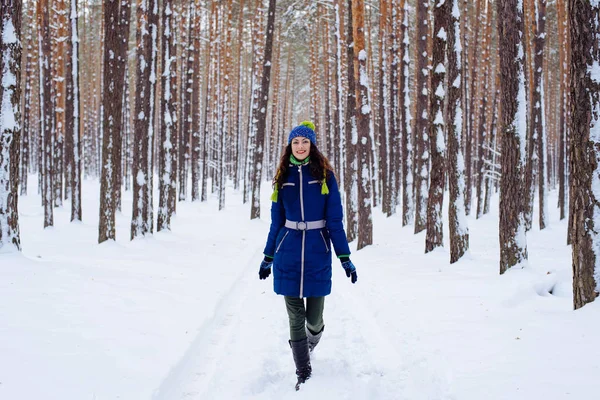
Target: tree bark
x=435, y=234
x=10, y=131
x=457, y=217
x=513, y=246
x=147, y=20
x=363, y=126
x=585, y=148
x=421, y=148
x=261, y=123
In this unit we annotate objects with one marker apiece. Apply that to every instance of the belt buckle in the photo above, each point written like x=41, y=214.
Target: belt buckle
x=301, y=225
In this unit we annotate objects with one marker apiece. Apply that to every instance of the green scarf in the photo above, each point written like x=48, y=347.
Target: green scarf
x=295, y=161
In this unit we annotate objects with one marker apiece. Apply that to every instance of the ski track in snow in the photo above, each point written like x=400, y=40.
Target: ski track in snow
x=355, y=359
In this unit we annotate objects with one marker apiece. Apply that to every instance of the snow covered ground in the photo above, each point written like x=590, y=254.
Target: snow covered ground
x=183, y=315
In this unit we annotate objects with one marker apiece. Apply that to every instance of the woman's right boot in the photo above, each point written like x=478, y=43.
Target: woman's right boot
x=313, y=338
x=302, y=360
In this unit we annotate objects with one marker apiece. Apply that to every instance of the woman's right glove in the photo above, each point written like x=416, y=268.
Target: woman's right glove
x=265, y=267
x=349, y=268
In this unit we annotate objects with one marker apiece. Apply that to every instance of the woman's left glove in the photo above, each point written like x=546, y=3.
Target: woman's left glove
x=265, y=267
x=349, y=268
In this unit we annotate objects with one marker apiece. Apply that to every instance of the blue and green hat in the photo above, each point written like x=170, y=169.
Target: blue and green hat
x=305, y=129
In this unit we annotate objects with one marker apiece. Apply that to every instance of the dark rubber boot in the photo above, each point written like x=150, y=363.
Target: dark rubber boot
x=302, y=359
x=313, y=338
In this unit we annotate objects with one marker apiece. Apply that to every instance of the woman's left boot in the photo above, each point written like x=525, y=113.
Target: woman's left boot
x=302, y=360
x=313, y=338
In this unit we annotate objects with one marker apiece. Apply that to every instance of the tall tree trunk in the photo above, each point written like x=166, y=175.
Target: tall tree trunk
x=351, y=176
x=435, y=233
x=405, y=130
x=147, y=17
x=584, y=126
x=421, y=154
x=457, y=217
x=73, y=113
x=539, y=120
x=167, y=149
x=116, y=13
x=363, y=126
x=513, y=245
x=261, y=123
x=10, y=115
x=46, y=110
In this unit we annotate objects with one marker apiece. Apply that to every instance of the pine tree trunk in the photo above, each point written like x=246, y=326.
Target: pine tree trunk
x=584, y=126
x=261, y=123
x=73, y=113
x=457, y=218
x=46, y=110
x=147, y=20
x=513, y=246
x=421, y=148
x=363, y=127
x=167, y=149
x=435, y=234
x=405, y=131
x=562, y=108
x=28, y=121
x=538, y=108
x=10, y=131
x=116, y=22
x=351, y=177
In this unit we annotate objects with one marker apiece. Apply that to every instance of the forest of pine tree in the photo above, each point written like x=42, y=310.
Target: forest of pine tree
x=413, y=101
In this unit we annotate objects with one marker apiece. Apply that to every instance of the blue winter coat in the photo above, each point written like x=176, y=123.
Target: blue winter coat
x=302, y=259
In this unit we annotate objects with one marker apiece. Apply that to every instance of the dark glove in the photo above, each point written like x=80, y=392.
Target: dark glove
x=265, y=267
x=349, y=268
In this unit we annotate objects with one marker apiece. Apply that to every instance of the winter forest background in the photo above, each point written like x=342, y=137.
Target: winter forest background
x=428, y=111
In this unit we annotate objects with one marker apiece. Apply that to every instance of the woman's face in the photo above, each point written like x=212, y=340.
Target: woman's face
x=300, y=147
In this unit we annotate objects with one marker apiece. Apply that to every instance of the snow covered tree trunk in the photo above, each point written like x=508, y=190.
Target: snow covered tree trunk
x=394, y=93
x=435, y=234
x=195, y=110
x=363, y=127
x=466, y=96
x=257, y=67
x=237, y=99
x=167, y=148
x=538, y=108
x=562, y=108
x=115, y=50
x=351, y=176
x=457, y=218
x=384, y=112
x=405, y=125
x=72, y=114
x=338, y=126
x=483, y=143
x=584, y=126
x=46, y=110
x=513, y=245
x=261, y=123
x=27, y=134
x=186, y=98
x=10, y=130
x=147, y=20
x=421, y=154
x=58, y=26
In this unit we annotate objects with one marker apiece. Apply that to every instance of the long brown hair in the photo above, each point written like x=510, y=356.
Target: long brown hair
x=318, y=165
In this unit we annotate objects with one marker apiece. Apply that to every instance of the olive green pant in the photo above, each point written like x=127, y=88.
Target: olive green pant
x=311, y=315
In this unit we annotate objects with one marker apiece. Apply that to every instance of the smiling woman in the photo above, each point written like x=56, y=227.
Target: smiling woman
x=306, y=219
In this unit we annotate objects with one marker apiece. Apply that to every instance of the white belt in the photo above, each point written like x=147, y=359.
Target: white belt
x=304, y=225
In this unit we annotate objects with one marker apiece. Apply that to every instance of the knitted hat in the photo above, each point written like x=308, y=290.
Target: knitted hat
x=305, y=129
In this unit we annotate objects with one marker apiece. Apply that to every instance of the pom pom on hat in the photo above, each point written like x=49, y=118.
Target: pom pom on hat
x=305, y=129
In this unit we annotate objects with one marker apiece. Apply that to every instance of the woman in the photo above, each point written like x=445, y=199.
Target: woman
x=306, y=217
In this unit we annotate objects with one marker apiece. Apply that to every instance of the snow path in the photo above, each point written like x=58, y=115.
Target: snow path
x=356, y=359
